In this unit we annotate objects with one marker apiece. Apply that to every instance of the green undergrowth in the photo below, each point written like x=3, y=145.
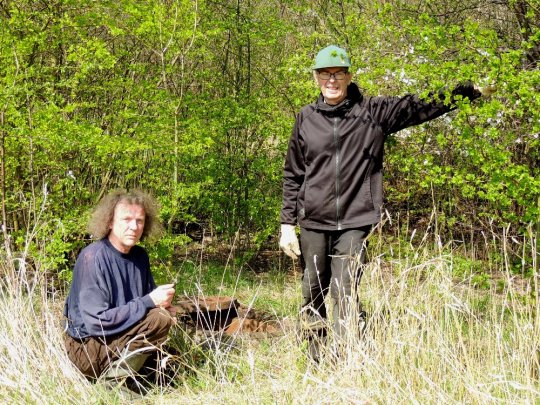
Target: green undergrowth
x=262, y=290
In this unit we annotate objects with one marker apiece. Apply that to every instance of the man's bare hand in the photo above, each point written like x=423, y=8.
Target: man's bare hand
x=173, y=311
x=163, y=295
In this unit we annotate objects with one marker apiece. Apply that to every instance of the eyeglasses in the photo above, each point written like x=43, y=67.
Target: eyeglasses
x=337, y=75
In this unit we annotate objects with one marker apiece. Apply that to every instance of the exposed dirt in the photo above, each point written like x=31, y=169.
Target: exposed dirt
x=226, y=315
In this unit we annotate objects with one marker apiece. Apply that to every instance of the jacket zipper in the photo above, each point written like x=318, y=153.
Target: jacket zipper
x=338, y=185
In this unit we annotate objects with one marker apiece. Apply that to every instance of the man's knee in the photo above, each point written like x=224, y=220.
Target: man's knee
x=85, y=355
x=159, y=321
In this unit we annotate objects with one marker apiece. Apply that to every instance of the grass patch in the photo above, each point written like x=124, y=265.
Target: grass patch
x=431, y=337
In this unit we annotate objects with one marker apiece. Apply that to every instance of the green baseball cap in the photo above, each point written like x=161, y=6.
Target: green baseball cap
x=332, y=56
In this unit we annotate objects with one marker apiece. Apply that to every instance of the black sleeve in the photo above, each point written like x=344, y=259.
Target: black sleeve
x=293, y=176
x=397, y=113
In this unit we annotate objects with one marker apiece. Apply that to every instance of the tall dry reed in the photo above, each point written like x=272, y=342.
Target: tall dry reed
x=430, y=337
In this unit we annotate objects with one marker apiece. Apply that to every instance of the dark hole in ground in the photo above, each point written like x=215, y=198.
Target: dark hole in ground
x=226, y=314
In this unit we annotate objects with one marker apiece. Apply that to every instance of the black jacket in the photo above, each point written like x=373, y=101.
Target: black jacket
x=333, y=168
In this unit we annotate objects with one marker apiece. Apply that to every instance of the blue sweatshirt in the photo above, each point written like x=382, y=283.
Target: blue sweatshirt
x=109, y=291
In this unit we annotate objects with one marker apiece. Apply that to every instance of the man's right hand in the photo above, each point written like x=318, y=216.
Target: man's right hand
x=163, y=295
x=289, y=241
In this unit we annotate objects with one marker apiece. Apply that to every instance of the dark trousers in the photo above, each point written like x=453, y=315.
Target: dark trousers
x=92, y=355
x=333, y=260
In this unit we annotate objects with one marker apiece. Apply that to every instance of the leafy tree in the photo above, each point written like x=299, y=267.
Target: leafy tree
x=195, y=100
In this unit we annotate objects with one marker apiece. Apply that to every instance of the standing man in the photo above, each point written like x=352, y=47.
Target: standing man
x=332, y=183
x=116, y=316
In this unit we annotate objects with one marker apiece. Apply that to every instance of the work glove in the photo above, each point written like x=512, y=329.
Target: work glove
x=289, y=241
x=487, y=90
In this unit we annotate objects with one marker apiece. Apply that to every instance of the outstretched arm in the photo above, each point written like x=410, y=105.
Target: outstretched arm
x=397, y=113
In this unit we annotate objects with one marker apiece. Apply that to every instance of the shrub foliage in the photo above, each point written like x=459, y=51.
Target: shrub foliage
x=195, y=100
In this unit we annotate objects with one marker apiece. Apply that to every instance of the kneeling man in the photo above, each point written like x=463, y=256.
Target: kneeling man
x=116, y=316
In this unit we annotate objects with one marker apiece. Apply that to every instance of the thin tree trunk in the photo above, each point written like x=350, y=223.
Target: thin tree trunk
x=7, y=244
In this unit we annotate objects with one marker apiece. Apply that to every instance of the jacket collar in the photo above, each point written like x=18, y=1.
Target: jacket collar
x=353, y=96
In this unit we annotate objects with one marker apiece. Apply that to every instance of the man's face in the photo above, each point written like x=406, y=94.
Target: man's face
x=333, y=90
x=127, y=226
